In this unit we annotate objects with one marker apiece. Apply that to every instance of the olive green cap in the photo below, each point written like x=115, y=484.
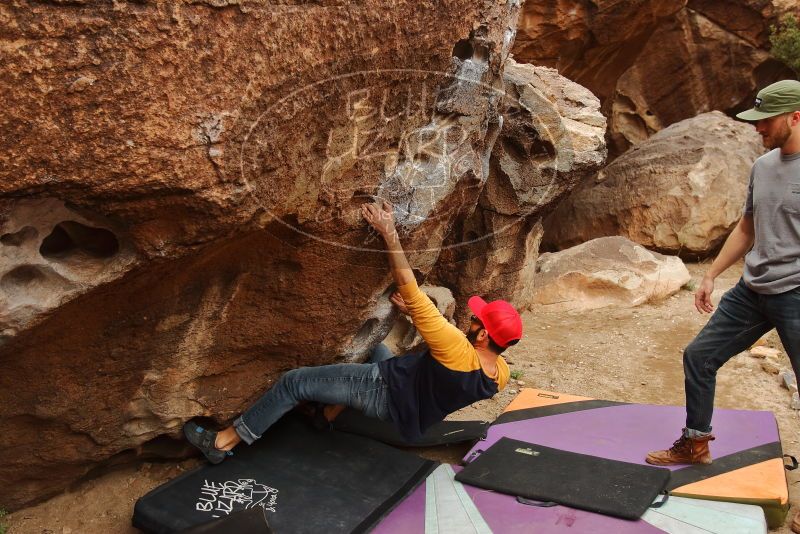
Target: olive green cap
x=780, y=97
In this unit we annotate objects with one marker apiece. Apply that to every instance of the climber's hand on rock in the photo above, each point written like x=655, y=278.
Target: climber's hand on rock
x=398, y=301
x=380, y=217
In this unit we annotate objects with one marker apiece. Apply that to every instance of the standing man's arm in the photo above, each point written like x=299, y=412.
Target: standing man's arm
x=736, y=246
x=382, y=219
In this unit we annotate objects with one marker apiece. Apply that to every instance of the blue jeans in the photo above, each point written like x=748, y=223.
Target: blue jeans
x=741, y=318
x=357, y=385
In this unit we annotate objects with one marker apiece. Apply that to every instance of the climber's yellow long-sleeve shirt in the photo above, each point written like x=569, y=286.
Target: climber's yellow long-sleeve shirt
x=424, y=388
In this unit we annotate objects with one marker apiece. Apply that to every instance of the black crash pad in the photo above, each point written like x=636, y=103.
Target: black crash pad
x=443, y=433
x=250, y=521
x=536, y=472
x=308, y=481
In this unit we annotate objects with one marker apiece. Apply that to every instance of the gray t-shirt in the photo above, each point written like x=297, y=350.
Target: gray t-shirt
x=773, y=198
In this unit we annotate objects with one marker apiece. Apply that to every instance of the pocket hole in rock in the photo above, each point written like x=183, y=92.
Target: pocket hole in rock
x=543, y=148
x=515, y=149
x=21, y=276
x=17, y=238
x=69, y=238
x=463, y=50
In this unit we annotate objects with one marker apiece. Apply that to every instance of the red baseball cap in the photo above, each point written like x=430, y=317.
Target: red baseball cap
x=500, y=319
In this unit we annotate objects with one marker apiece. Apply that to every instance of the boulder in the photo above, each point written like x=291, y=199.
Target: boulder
x=604, y=272
x=764, y=352
x=771, y=366
x=788, y=379
x=552, y=138
x=179, y=203
x=680, y=192
x=403, y=337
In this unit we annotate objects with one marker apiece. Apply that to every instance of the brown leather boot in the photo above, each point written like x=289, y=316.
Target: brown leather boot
x=683, y=451
x=796, y=523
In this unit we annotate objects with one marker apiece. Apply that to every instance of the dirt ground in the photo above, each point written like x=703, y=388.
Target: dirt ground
x=615, y=354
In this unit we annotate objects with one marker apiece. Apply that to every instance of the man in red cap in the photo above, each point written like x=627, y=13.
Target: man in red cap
x=413, y=391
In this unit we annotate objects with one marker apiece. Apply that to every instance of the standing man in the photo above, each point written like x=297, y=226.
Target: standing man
x=768, y=294
x=413, y=391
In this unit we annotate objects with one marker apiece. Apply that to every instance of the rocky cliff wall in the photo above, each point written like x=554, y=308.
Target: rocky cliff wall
x=653, y=63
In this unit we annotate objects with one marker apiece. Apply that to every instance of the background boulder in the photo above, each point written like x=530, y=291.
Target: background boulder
x=608, y=271
x=680, y=192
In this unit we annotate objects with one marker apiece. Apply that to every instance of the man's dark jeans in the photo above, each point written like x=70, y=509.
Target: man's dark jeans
x=741, y=318
x=357, y=385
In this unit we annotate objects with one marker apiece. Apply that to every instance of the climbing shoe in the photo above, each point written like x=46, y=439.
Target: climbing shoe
x=204, y=439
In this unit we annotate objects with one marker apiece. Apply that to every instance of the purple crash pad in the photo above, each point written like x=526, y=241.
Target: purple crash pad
x=628, y=432
x=504, y=515
x=408, y=516
x=623, y=432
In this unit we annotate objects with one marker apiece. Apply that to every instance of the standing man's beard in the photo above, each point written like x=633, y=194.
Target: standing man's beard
x=779, y=139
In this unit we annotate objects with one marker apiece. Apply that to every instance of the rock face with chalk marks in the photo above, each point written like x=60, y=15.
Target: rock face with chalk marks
x=552, y=139
x=179, y=217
